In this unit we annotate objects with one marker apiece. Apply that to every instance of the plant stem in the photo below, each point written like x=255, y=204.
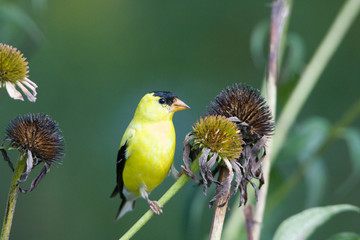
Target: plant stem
x=279, y=18
x=183, y=179
x=219, y=213
x=13, y=193
x=312, y=73
x=235, y=220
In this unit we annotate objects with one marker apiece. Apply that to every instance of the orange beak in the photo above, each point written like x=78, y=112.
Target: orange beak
x=178, y=105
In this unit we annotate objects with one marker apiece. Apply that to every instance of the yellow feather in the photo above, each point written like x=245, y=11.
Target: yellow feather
x=151, y=145
x=147, y=150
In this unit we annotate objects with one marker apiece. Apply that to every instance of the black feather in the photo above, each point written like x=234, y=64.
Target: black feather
x=168, y=96
x=120, y=163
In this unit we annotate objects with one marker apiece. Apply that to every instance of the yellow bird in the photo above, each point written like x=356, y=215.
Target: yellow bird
x=146, y=153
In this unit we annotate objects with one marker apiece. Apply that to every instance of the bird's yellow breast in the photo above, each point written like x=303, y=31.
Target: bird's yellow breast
x=150, y=154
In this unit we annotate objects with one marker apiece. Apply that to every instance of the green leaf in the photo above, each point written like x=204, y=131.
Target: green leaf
x=352, y=139
x=258, y=41
x=306, y=139
x=303, y=224
x=345, y=236
x=315, y=178
x=295, y=56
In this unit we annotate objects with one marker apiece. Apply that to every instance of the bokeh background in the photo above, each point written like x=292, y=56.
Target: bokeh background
x=94, y=60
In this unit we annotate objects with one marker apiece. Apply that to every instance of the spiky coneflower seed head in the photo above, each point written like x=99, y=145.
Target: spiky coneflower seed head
x=219, y=135
x=246, y=104
x=39, y=134
x=13, y=66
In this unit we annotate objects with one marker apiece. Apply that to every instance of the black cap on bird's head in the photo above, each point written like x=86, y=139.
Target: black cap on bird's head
x=165, y=97
x=170, y=99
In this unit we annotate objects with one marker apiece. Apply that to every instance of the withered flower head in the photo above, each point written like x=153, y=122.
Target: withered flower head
x=39, y=138
x=245, y=103
x=14, y=72
x=219, y=135
x=217, y=143
x=244, y=106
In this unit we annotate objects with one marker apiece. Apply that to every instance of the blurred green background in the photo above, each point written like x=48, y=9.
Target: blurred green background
x=94, y=60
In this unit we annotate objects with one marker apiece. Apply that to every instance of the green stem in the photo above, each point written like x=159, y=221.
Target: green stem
x=312, y=73
x=183, y=179
x=13, y=193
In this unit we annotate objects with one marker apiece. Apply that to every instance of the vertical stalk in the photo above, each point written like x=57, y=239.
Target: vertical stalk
x=13, y=194
x=279, y=18
x=219, y=213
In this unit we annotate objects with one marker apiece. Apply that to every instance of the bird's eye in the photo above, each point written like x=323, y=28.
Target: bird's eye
x=162, y=100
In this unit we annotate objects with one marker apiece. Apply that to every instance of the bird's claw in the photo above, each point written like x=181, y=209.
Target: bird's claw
x=155, y=207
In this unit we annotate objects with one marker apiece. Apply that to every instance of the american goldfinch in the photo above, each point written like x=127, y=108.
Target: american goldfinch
x=146, y=151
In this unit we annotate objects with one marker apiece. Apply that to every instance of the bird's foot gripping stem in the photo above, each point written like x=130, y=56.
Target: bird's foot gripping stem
x=155, y=207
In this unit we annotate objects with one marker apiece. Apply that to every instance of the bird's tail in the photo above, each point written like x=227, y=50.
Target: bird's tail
x=126, y=206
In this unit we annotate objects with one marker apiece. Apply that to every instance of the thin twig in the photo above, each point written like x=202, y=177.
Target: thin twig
x=13, y=194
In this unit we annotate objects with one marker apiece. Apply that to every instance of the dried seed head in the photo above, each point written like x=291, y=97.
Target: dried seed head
x=249, y=107
x=250, y=116
x=13, y=66
x=219, y=135
x=39, y=134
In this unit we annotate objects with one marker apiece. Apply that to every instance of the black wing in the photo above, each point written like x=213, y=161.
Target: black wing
x=120, y=163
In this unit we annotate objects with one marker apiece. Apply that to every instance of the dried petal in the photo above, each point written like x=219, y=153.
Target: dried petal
x=13, y=93
x=29, y=96
x=203, y=168
x=225, y=185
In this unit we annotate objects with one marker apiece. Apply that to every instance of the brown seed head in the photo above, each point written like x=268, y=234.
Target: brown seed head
x=39, y=134
x=247, y=104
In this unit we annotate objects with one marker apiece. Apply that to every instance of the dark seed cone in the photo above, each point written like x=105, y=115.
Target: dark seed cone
x=38, y=134
x=38, y=138
x=245, y=103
